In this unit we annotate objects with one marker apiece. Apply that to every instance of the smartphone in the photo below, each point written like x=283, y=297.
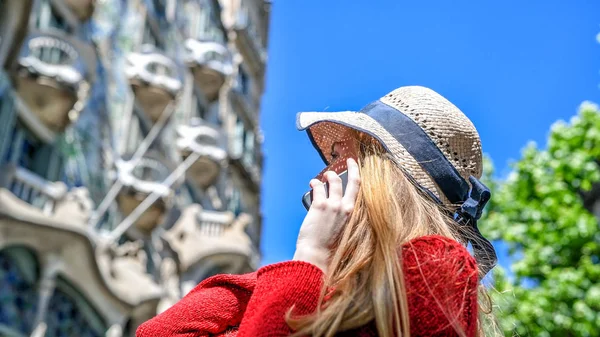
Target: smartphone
x=307, y=198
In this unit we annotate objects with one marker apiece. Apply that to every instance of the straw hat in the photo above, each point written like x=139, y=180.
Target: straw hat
x=445, y=125
x=431, y=140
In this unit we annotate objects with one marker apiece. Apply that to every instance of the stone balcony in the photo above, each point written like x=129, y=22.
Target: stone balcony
x=155, y=81
x=14, y=16
x=139, y=180
x=210, y=63
x=34, y=190
x=208, y=141
x=203, y=239
x=52, y=221
x=53, y=78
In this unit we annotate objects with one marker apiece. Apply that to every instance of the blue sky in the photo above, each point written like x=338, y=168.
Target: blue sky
x=514, y=67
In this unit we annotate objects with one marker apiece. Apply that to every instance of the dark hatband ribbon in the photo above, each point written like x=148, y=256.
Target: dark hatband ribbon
x=418, y=144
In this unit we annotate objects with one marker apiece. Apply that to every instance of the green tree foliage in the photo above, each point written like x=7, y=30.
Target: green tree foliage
x=542, y=213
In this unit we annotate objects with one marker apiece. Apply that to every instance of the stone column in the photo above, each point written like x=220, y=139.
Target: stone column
x=47, y=285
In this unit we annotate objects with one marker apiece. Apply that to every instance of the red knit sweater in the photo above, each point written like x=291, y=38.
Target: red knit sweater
x=441, y=280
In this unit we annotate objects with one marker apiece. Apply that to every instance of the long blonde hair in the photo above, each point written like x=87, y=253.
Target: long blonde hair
x=365, y=266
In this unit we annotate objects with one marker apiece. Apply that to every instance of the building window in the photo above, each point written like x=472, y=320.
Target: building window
x=7, y=125
x=69, y=314
x=52, y=55
x=248, y=156
x=244, y=82
x=243, y=143
x=238, y=138
x=135, y=133
x=253, y=230
x=187, y=195
x=25, y=151
x=245, y=16
x=18, y=298
x=235, y=201
x=160, y=6
x=198, y=109
x=48, y=18
x=192, y=21
x=204, y=23
x=150, y=37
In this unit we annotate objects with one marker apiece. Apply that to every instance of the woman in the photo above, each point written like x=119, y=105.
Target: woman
x=384, y=257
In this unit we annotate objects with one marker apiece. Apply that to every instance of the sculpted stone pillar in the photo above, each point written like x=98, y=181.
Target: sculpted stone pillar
x=47, y=285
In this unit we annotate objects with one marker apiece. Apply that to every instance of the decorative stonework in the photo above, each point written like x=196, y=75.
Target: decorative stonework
x=113, y=208
x=139, y=180
x=169, y=276
x=155, y=81
x=53, y=78
x=199, y=234
x=210, y=62
x=76, y=205
x=206, y=140
x=125, y=265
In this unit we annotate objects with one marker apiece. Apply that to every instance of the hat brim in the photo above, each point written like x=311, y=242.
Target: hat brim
x=338, y=122
x=326, y=128
x=336, y=125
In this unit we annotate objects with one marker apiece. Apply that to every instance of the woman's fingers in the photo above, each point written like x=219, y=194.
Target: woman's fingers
x=318, y=192
x=334, y=196
x=353, y=186
x=335, y=186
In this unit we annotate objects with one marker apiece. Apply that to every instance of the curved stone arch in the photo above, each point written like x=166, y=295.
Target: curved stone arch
x=19, y=273
x=22, y=277
x=68, y=252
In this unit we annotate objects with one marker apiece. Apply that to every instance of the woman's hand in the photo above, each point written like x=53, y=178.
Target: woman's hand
x=327, y=216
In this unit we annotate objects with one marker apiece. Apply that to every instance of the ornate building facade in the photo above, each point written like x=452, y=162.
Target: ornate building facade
x=130, y=157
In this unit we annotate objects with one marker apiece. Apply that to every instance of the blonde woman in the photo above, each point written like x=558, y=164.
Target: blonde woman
x=381, y=253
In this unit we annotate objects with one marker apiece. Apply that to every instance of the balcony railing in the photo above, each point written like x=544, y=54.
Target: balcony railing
x=210, y=63
x=211, y=223
x=53, y=78
x=32, y=188
x=206, y=140
x=139, y=181
x=155, y=80
x=200, y=234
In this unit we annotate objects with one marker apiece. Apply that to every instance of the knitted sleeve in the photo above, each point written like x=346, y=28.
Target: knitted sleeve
x=441, y=281
x=279, y=287
x=211, y=308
